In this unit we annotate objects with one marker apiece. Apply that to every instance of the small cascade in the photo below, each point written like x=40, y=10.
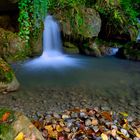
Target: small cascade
x=52, y=45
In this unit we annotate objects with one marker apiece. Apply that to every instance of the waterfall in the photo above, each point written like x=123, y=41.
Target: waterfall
x=138, y=37
x=52, y=45
x=52, y=55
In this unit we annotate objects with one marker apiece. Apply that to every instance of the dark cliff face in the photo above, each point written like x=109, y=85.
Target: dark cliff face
x=7, y=6
x=9, y=14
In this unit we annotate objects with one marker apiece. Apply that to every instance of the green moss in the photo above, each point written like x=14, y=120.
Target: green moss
x=132, y=51
x=6, y=131
x=6, y=73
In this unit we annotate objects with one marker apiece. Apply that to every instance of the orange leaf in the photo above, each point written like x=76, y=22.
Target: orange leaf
x=107, y=115
x=5, y=116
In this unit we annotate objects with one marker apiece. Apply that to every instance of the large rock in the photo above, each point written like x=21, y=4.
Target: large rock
x=83, y=21
x=130, y=51
x=11, y=46
x=8, y=81
x=22, y=125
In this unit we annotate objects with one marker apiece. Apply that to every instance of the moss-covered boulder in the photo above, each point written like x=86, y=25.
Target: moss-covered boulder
x=130, y=51
x=11, y=46
x=8, y=81
x=79, y=21
x=16, y=126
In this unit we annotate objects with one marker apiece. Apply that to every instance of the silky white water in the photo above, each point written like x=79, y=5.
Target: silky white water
x=52, y=45
x=138, y=37
x=52, y=55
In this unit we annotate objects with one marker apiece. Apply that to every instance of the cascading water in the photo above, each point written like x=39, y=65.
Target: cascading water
x=138, y=37
x=52, y=45
x=52, y=55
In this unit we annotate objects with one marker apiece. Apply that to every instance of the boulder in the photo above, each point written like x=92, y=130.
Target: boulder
x=82, y=21
x=8, y=81
x=130, y=51
x=23, y=127
x=11, y=46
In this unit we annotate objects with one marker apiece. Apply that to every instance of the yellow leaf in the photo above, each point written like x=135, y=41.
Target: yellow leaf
x=59, y=128
x=20, y=136
x=136, y=133
x=53, y=134
x=104, y=136
x=49, y=127
x=124, y=114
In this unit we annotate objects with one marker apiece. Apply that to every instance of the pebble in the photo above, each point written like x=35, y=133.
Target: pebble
x=83, y=115
x=65, y=116
x=56, y=115
x=88, y=122
x=95, y=128
x=125, y=133
x=105, y=108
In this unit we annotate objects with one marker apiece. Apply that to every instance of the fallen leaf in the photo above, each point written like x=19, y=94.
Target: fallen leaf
x=59, y=128
x=124, y=114
x=107, y=115
x=113, y=132
x=94, y=122
x=136, y=133
x=5, y=116
x=20, y=136
x=48, y=127
x=104, y=136
x=53, y=134
x=61, y=138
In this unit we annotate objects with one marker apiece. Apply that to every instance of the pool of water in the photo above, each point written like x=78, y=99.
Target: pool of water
x=70, y=81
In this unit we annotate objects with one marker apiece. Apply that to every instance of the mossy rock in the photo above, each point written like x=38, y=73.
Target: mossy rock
x=6, y=130
x=16, y=126
x=8, y=81
x=130, y=51
x=11, y=45
x=79, y=21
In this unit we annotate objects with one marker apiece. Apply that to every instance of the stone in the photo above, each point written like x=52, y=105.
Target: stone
x=23, y=124
x=65, y=116
x=11, y=46
x=8, y=81
x=125, y=133
x=88, y=122
x=90, y=28
x=83, y=115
